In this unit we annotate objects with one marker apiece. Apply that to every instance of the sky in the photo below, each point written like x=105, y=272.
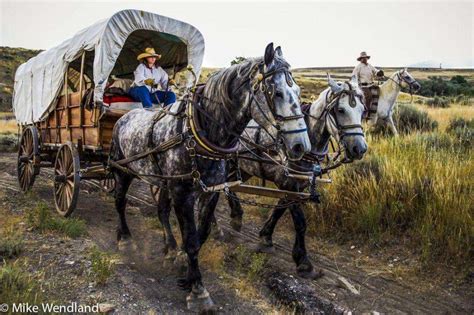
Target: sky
x=311, y=33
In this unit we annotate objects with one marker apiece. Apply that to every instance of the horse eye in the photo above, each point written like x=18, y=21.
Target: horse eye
x=279, y=94
x=340, y=110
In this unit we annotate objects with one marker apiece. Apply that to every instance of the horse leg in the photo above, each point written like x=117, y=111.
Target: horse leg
x=392, y=125
x=266, y=243
x=207, y=220
x=123, y=182
x=236, y=211
x=217, y=232
x=304, y=268
x=184, y=199
x=164, y=211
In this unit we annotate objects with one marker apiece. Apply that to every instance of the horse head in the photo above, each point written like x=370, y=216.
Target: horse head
x=275, y=103
x=343, y=116
x=406, y=79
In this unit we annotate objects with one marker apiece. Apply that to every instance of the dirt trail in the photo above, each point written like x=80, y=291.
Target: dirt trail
x=280, y=285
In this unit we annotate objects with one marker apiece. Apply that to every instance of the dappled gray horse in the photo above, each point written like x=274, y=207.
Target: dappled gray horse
x=337, y=113
x=231, y=98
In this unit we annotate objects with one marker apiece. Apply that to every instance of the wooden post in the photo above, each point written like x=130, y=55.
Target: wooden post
x=68, y=113
x=81, y=108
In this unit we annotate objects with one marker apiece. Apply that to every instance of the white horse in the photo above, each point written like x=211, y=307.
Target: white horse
x=388, y=94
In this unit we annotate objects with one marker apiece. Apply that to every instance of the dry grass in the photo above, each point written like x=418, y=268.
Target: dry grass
x=212, y=255
x=8, y=126
x=419, y=186
x=444, y=115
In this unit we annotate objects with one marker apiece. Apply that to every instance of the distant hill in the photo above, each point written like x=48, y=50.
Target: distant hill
x=10, y=59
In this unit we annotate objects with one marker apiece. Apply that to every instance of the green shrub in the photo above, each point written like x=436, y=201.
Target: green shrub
x=41, y=219
x=8, y=142
x=407, y=119
x=442, y=102
x=10, y=246
x=460, y=122
x=102, y=265
x=249, y=263
x=463, y=131
x=18, y=285
x=441, y=87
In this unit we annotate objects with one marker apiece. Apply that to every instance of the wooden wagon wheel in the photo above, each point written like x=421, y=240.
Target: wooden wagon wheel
x=66, y=179
x=28, y=158
x=155, y=193
x=108, y=183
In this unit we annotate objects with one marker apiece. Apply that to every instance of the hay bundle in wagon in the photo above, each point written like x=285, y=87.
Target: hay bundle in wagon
x=67, y=106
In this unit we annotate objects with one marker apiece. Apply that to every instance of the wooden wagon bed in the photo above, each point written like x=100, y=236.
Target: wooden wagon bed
x=69, y=121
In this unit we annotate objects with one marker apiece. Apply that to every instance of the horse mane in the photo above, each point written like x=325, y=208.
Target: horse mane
x=220, y=82
x=227, y=86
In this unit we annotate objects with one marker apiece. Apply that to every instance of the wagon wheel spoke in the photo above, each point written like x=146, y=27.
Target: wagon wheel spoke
x=27, y=142
x=68, y=189
x=58, y=165
x=66, y=179
x=70, y=168
x=59, y=190
x=58, y=187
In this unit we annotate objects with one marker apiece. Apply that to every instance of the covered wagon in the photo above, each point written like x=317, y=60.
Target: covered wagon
x=65, y=107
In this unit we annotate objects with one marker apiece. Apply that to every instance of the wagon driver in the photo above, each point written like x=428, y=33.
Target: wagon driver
x=148, y=76
x=366, y=74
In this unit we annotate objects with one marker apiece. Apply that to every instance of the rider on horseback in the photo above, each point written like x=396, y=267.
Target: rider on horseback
x=366, y=74
x=148, y=76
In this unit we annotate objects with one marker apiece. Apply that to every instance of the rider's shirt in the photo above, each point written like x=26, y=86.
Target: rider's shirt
x=365, y=73
x=143, y=72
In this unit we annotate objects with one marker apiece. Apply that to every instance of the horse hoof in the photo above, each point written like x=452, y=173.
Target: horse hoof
x=236, y=224
x=123, y=235
x=200, y=301
x=310, y=274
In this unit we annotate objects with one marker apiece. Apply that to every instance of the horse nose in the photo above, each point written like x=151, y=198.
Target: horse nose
x=417, y=86
x=359, y=150
x=297, y=150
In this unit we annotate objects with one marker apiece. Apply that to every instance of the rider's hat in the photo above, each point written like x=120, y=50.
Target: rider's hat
x=363, y=55
x=149, y=52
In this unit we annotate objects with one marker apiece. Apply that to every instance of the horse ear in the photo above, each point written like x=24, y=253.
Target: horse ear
x=269, y=54
x=278, y=51
x=335, y=88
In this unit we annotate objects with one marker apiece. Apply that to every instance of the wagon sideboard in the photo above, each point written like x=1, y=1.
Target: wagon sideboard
x=70, y=121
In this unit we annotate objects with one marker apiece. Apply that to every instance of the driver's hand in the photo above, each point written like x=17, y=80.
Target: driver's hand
x=171, y=82
x=150, y=82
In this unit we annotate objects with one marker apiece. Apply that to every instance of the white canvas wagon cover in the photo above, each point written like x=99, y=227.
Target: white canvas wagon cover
x=39, y=81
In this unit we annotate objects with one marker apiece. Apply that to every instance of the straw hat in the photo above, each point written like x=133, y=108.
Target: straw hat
x=363, y=55
x=149, y=52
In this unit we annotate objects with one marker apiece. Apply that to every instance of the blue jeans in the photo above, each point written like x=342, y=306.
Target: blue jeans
x=141, y=94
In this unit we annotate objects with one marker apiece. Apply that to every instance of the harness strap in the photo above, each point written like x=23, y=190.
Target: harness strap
x=260, y=165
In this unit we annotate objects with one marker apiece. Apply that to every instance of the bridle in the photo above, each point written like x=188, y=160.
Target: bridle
x=259, y=83
x=402, y=79
x=330, y=116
